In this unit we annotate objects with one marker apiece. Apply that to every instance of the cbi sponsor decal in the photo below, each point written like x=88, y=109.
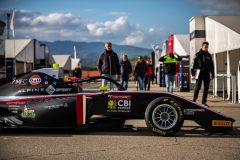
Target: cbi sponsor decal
x=221, y=123
x=20, y=82
x=112, y=104
x=119, y=103
x=27, y=113
x=35, y=80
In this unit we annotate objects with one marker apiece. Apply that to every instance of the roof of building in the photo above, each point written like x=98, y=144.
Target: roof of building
x=14, y=46
x=232, y=22
x=62, y=60
x=183, y=43
x=74, y=62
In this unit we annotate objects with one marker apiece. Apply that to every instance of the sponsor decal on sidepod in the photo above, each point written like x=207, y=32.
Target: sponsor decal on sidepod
x=35, y=80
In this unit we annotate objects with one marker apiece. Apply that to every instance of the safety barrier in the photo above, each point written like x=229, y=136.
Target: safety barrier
x=233, y=86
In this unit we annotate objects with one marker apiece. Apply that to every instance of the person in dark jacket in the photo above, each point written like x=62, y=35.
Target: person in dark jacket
x=140, y=71
x=77, y=72
x=126, y=69
x=108, y=64
x=149, y=75
x=204, y=64
x=169, y=62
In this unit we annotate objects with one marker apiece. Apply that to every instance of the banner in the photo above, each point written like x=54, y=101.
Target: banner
x=12, y=23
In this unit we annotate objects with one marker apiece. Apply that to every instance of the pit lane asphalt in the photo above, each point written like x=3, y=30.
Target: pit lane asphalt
x=191, y=142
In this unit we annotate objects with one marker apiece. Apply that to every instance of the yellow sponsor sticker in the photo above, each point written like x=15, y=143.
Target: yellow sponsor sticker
x=221, y=123
x=159, y=131
x=112, y=104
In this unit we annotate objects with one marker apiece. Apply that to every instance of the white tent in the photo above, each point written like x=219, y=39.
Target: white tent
x=164, y=48
x=223, y=35
x=20, y=49
x=64, y=61
x=181, y=44
x=22, y=53
x=74, y=62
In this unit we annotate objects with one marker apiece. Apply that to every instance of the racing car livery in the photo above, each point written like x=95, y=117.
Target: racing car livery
x=37, y=100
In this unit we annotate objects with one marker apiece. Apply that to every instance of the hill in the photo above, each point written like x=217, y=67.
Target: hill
x=89, y=52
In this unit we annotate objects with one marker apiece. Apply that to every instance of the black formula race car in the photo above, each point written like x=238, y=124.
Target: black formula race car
x=37, y=100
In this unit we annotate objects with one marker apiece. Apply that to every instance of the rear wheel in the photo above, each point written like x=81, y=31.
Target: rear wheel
x=164, y=116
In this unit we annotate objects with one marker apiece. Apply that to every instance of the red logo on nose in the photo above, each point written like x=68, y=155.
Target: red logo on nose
x=35, y=80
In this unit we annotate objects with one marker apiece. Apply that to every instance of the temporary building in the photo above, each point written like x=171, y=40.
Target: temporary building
x=19, y=56
x=64, y=61
x=223, y=35
x=181, y=44
x=74, y=62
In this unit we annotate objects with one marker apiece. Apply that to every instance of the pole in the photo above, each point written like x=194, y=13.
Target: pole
x=8, y=25
x=12, y=27
x=75, y=52
x=14, y=62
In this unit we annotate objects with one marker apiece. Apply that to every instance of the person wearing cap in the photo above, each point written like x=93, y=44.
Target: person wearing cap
x=140, y=71
x=108, y=64
x=169, y=62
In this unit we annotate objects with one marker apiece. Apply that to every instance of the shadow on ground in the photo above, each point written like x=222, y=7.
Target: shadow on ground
x=187, y=131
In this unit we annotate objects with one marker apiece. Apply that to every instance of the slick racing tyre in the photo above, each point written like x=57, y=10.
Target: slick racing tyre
x=164, y=116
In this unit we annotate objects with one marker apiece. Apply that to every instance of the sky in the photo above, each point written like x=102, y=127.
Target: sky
x=139, y=23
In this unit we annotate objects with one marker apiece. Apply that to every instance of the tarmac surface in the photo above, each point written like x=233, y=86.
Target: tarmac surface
x=192, y=142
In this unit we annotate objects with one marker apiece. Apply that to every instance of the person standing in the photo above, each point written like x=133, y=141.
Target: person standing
x=202, y=63
x=140, y=71
x=108, y=64
x=149, y=75
x=77, y=72
x=169, y=62
x=126, y=69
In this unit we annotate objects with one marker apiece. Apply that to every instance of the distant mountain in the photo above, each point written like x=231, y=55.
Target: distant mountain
x=89, y=52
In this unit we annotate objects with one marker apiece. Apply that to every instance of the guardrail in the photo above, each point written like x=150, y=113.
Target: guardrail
x=233, y=83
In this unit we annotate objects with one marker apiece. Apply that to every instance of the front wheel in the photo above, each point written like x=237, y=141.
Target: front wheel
x=164, y=116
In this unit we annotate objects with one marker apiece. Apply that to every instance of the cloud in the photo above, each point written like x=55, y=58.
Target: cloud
x=118, y=27
x=66, y=26
x=134, y=38
x=219, y=7
x=53, y=26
